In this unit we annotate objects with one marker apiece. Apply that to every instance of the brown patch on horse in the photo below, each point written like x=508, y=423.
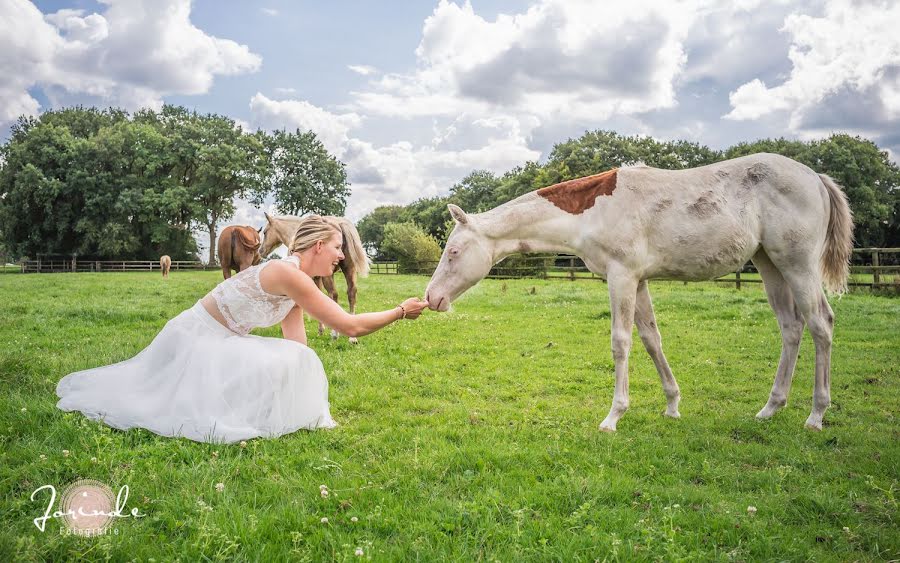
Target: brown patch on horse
x=577, y=196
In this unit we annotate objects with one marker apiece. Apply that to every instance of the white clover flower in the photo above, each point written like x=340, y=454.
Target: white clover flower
x=323, y=487
x=215, y=454
x=676, y=506
x=846, y=529
x=65, y=453
x=243, y=443
x=324, y=493
x=24, y=409
x=324, y=520
x=354, y=519
x=359, y=552
x=93, y=460
x=751, y=510
x=220, y=487
x=43, y=457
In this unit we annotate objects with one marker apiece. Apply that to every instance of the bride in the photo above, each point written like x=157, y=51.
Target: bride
x=204, y=377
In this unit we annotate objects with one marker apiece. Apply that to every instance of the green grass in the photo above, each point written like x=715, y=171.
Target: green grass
x=472, y=435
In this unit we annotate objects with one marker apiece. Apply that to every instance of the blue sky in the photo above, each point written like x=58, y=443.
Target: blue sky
x=412, y=96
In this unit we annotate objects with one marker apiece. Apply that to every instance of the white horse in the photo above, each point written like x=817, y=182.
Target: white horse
x=634, y=224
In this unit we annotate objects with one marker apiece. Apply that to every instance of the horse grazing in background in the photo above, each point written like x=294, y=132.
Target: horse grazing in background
x=238, y=248
x=281, y=230
x=633, y=224
x=165, y=264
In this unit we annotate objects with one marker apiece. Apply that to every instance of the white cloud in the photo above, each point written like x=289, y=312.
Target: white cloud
x=133, y=54
x=578, y=59
x=853, y=46
x=332, y=129
x=269, y=11
x=365, y=70
x=401, y=172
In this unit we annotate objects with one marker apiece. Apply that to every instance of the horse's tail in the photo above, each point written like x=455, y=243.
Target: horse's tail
x=838, y=239
x=355, y=251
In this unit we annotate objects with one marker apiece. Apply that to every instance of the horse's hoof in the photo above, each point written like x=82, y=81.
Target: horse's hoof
x=606, y=427
x=815, y=425
x=675, y=414
x=334, y=335
x=353, y=340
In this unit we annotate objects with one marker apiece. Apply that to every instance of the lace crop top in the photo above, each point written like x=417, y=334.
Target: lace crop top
x=245, y=306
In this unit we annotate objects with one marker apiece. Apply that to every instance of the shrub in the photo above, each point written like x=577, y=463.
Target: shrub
x=417, y=252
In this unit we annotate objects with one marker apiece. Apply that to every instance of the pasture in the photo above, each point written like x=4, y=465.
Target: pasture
x=472, y=435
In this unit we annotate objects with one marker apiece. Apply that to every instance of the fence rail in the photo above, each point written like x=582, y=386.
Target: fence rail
x=870, y=267
x=60, y=266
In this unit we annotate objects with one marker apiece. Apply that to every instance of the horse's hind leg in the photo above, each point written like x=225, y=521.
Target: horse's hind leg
x=350, y=276
x=804, y=278
x=790, y=321
x=647, y=328
x=328, y=282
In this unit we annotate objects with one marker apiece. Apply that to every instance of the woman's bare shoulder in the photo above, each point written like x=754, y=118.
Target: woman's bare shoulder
x=278, y=275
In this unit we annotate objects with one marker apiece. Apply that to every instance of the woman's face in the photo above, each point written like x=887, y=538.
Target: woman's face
x=330, y=254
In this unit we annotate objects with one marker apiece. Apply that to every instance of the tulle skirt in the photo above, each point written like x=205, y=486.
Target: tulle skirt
x=201, y=381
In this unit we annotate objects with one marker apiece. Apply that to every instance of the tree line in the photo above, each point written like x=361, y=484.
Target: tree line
x=415, y=232
x=106, y=184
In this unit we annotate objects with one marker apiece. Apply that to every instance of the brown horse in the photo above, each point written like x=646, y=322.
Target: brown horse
x=238, y=249
x=165, y=264
x=280, y=230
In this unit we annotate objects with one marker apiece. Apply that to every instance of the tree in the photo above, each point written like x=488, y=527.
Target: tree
x=216, y=162
x=476, y=192
x=416, y=250
x=430, y=214
x=305, y=178
x=371, y=228
x=103, y=191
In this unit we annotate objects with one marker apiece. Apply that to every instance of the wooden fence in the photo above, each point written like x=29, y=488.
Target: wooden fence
x=877, y=268
x=53, y=266
x=870, y=267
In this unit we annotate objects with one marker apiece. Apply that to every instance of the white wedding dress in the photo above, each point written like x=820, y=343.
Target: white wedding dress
x=203, y=381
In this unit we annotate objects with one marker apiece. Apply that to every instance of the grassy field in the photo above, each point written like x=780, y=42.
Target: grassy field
x=472, y=435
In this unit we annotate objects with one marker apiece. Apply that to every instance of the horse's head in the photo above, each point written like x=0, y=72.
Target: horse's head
x=270, y=238
x=467, y=258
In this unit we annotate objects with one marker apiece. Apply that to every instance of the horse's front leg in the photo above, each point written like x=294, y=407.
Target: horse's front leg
x=622, y=292
x=649, y=331
x=350, y=276
x=328, y=282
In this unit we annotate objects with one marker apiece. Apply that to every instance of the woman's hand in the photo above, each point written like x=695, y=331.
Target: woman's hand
x=413, y=307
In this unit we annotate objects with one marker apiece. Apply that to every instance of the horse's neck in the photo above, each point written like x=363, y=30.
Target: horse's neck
x=529, y=224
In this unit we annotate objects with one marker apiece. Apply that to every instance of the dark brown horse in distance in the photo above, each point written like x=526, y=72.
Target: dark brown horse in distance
x=238, y=248
x=280, y=230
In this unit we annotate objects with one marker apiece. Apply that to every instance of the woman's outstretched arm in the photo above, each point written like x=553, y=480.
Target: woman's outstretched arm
x=285, y=280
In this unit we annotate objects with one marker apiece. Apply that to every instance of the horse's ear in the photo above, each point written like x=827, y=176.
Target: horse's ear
x=458, y=214
x=259, y=230
x=268, y=217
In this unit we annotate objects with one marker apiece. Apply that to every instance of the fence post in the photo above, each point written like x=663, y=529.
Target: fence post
x=572, y=269
x=876, y=277
x=737, y=278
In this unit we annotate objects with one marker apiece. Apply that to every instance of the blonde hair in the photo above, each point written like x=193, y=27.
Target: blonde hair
x=311, y=230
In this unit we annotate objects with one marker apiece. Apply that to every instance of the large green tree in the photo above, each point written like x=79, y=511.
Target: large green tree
x=93, y=183
x=215, y=161
x=305, y=177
